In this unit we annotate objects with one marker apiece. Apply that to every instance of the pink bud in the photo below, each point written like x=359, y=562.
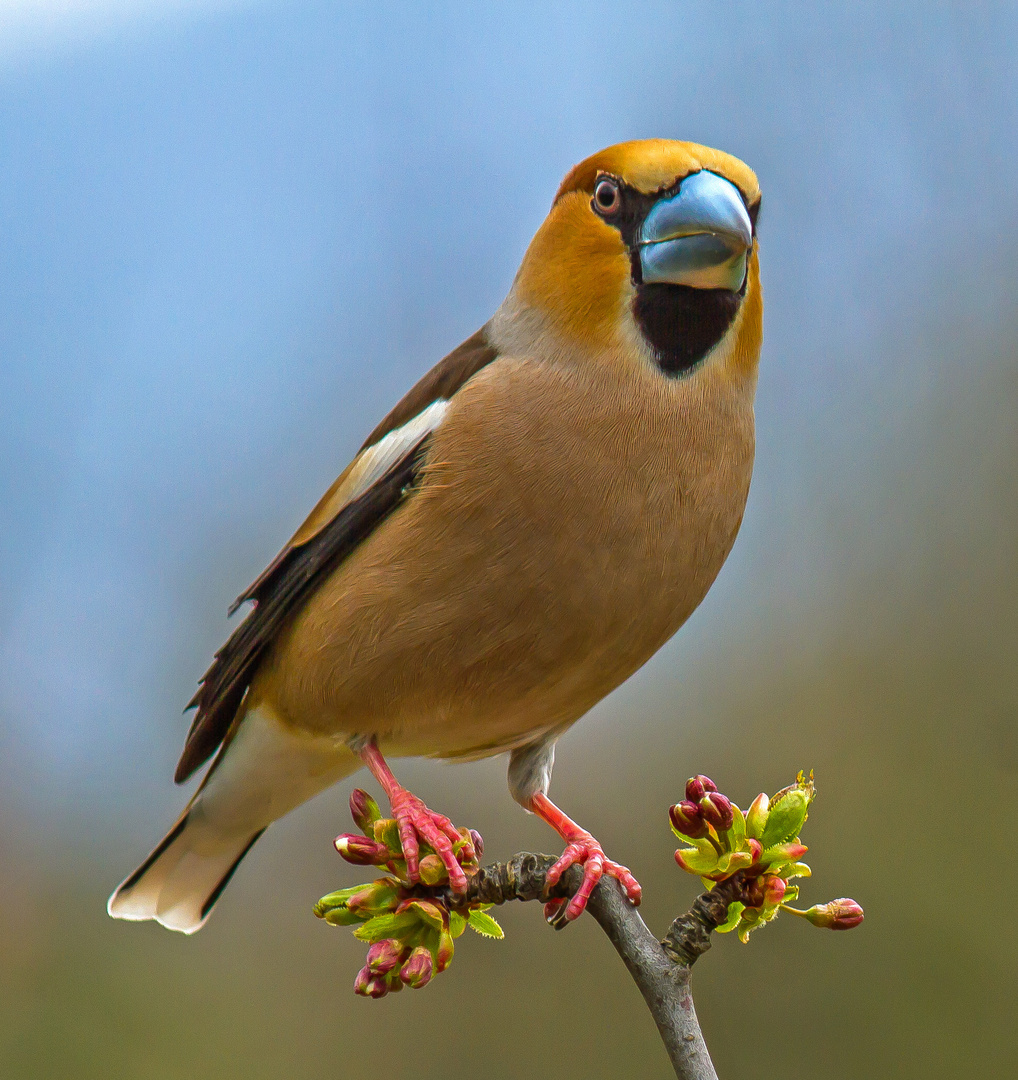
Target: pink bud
x=364, y=811
x=755, y=849
x=478, y=841
x=361, y=851
x=698, y=786
x=717, y=811
x=418, y=970
x=686, y=818
x=774, y=889
x=384, y=955
x=368, y=985
x=841, y=914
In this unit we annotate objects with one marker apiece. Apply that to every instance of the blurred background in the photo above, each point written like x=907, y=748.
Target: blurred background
x=232, y=234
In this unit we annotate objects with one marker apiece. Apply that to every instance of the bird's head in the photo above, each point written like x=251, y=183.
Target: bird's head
x=654, y=238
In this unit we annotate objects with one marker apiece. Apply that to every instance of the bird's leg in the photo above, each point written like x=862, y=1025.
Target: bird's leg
x=416, y=822
x=581, y=848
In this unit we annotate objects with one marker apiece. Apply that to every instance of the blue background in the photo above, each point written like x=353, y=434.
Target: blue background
x=232, y=235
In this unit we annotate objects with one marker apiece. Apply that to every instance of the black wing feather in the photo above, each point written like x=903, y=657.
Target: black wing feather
x=278, y=596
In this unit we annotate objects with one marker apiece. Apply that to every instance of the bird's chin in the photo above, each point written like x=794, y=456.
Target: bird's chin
x=682, y=323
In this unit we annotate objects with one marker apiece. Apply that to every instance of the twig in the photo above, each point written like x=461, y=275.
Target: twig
x=661, y=969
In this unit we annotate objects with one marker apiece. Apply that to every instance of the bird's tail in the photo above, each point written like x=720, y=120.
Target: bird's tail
x=178, y=884
x=259, y=775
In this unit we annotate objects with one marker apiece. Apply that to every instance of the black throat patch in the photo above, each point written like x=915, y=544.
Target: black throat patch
x=680, y=324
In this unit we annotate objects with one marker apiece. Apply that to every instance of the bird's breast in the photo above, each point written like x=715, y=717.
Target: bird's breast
x=567, y=523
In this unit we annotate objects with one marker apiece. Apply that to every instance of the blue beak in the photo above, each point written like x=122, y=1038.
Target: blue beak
x=700, y=236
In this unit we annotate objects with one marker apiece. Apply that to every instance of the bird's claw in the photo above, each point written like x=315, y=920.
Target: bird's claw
x=417, y=823
x=587, y=852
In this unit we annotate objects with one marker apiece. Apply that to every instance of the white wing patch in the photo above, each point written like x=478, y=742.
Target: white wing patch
x=377, y=460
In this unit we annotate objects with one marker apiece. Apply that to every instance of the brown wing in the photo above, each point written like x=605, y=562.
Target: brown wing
x=442, y=381
x=333, y=529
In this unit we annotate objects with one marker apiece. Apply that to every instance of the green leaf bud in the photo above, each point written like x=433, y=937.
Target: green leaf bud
x=429, y=912
x=780, y=854
x=697, y=861
x=386, y=832
x=380, y=896
x=785, y=818
x=342, y=916
x=387, y=926
x=756, y=816
x=443, y=954
x=432, y=870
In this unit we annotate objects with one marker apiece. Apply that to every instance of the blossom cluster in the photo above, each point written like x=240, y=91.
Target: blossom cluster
x=761, y=845
x=409, y=926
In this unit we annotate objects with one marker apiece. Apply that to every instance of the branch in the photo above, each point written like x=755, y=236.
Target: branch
x=661, y=969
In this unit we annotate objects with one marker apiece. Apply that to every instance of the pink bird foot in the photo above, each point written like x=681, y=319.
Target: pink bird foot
x=581, y=849
x=417, y=823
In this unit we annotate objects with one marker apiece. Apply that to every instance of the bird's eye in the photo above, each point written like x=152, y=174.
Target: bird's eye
x=607, y=195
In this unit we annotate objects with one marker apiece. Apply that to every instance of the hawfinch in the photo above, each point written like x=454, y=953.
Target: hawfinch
x=531, y=523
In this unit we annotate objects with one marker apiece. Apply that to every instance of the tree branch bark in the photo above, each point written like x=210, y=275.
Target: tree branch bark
x=661, y=969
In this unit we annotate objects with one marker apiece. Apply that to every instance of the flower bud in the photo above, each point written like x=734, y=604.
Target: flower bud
x=686, y=819
x=773, y=889
x=385, y=955
x=717, y=811
x=368, y=985
x=418, y=970
x=361, y=851
x=843, y=914
x=756, y=816
x=478, y=841
x=698, y=786
x=364, y=811
x=755, y=850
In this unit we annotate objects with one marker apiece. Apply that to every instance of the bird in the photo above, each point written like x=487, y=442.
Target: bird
x=534, y=519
